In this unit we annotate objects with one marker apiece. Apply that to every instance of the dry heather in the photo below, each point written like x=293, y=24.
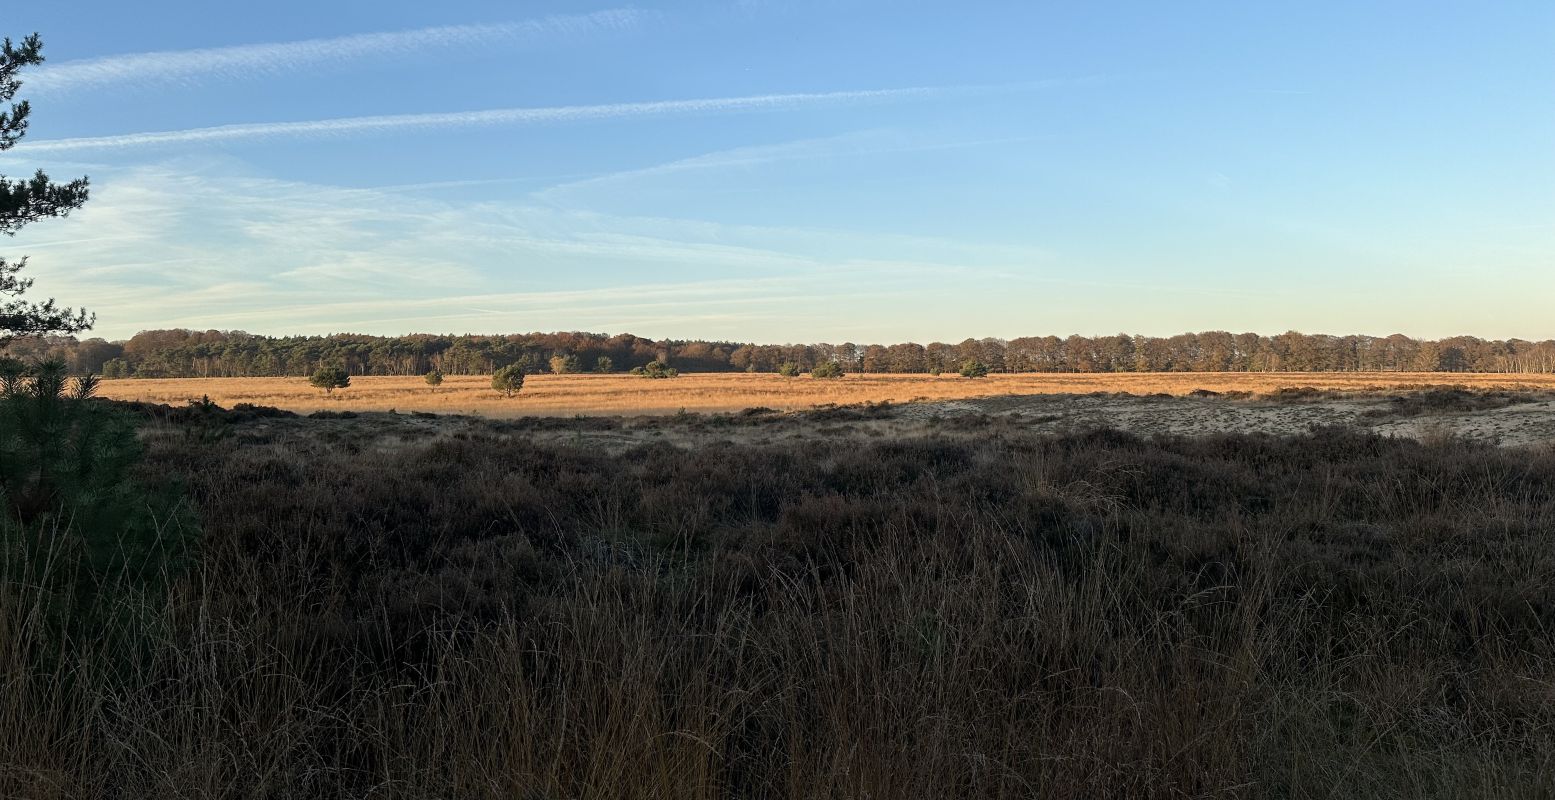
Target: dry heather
x=980, y=613
x=551, y=395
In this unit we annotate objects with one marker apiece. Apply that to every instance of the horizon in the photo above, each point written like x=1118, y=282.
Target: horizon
x=88, y=335
x=759, y=172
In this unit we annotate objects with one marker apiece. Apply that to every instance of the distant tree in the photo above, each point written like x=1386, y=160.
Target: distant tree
x=604, y=364
x=434, y=378
x=330, y=378
x=116, y=368
x=934, y=369
x=186, y=353
x=655, y=369
x=565, y=365
x=827, y=369
x=972, y=368
x=788, y=369
x=529, y=363
x=29, y=200
x=508, y=380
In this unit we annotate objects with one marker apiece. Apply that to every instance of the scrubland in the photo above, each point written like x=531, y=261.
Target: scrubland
x=720, y=392
x=804, y=606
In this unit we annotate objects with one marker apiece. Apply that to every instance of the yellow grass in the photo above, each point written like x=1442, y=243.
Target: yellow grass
x=553, y=395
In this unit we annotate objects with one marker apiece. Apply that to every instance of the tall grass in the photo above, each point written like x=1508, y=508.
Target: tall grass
x=998, y=615
x=567, y=395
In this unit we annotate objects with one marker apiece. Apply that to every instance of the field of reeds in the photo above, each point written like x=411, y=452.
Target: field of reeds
x=981, y=611
x=566, y=395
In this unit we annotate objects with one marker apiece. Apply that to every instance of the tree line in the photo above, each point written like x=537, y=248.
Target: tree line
x=212, y=353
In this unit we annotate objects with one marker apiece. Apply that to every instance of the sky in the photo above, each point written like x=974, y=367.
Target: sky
x=796, y=171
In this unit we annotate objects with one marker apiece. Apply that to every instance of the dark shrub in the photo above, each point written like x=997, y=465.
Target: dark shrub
x=330, y=378
x=655, y=369
x=827, y=369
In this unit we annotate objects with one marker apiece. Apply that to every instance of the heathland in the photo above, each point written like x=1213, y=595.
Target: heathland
x=848, y=602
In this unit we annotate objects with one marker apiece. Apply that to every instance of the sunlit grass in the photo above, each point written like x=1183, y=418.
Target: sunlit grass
x=554, y=395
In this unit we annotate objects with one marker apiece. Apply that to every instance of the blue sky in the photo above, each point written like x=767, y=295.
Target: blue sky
x=798, y=171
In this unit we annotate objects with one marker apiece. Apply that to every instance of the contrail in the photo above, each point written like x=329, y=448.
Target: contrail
x=245, y=61
x=468, y=119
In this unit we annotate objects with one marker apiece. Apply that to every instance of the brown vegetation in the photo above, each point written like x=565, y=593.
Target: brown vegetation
x=465, y=612
x=622, y=394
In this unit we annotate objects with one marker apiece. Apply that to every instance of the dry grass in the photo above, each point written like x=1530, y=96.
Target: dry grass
x=997, y=615
x=565, y=395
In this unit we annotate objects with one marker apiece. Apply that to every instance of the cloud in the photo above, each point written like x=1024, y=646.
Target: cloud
x=204, y=245
x=467, y=119
x=264, y=60
x=848, y=145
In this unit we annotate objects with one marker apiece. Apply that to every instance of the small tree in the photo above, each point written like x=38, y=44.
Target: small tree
x=330, y=378
x=604, y=364
x=508, y=380
x=972, y=368
x=434, y=378
x=565, y=365
x=827, y=369
x=67, y=468
x=656, y=369
x=788, y=369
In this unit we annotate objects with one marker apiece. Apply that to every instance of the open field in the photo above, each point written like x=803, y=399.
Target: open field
x=567, y=395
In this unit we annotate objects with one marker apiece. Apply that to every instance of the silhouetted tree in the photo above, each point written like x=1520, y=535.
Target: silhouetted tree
x=28, y=200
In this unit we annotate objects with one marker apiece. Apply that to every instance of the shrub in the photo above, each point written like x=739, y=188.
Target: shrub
x=972, y=368
x=604, y=364
x=508, y=380
x=434, y=378
x=828, y=369
x=655, y=369
x=330, y=378
x=788, y=369
x=69, y=505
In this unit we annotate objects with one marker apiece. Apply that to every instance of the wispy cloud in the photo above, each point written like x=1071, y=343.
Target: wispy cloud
x=214, y=249
x=262, y=60
x=495, y=117
x=848, y=145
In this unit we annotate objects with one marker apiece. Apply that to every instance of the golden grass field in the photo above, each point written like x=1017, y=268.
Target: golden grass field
x=565, y=395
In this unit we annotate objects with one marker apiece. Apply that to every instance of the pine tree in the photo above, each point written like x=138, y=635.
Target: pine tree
x=330, y=378
x=509, y=380
x=27, y=200
x=827, y=369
